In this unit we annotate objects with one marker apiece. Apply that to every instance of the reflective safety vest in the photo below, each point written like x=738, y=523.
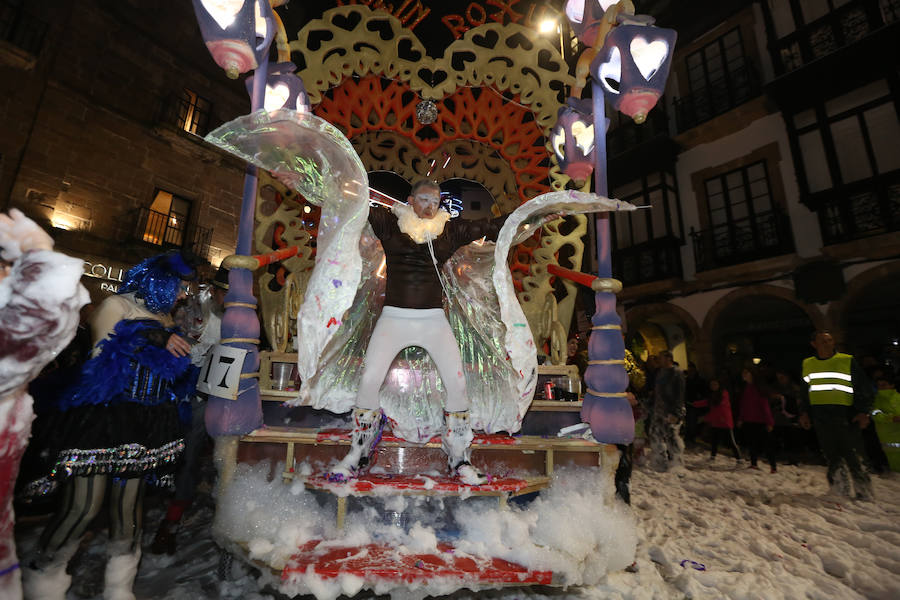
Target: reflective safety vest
x=830, y=380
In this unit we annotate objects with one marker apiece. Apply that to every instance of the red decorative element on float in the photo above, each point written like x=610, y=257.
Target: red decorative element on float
x=374, y=562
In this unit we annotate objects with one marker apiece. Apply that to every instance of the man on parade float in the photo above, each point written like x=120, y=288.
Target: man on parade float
x=346, y=343
x=416, y=244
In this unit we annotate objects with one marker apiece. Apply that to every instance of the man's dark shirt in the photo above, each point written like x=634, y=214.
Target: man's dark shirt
x=412, y=281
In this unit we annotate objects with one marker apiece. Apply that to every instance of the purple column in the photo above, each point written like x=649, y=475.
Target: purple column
x=240, y=323
x=605, y=407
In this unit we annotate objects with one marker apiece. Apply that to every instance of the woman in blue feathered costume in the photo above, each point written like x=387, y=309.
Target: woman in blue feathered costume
x=118, y=426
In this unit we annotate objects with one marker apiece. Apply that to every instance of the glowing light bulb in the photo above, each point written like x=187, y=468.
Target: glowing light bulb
x=547, y=26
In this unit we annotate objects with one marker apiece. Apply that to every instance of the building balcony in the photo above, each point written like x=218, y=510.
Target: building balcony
x=169, y=233
x=744, y=240
x=841, y=27
x=651, y=261
x=722, y=95
x=846, y=48
x=865, y=210
x=633, y=149
x=629, y=134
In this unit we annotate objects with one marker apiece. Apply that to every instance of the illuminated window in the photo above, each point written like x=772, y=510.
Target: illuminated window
x=166, y=220
x=192, y=113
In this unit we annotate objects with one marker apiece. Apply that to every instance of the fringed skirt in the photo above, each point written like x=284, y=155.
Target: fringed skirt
x=124, y=440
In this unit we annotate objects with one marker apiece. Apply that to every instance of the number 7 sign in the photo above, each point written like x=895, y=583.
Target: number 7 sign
x=221, y=373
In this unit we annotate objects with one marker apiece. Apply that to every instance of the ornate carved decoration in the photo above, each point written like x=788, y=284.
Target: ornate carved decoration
x=496, y=91
x=281, y=222
x=469, y=159
x=503, y=56
x=376, y=104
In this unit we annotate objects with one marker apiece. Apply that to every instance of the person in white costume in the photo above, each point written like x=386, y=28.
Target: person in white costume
x=40, y=296
x=416, y=244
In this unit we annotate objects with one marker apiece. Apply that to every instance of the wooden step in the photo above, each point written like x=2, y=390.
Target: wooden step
x=388, y=484
x=554, y=406
x=377, y=563
x=520, y=453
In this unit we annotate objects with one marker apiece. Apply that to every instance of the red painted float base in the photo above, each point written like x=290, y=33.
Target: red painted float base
x=371, y=482
x=377, y=562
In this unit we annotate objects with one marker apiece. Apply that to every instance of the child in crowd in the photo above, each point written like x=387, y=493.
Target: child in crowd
x=719, y=418
x=757, y=420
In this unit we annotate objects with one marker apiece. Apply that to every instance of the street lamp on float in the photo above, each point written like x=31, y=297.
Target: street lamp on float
x=629, y=62
x=239, y=34
x=572, y=139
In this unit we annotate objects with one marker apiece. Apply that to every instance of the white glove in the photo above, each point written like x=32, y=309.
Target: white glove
x=20, y=234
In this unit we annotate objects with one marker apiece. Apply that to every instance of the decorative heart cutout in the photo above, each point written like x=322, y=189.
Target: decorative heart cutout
x=382, y=26
x=406, y=52
x=488, y=40
x=545, y=63
x=584, y=136
x=458, y=60
x=648, y=56
x=349, y=22
x=433, y=77
x=277, y=96
x=224, y=12
x=609, y=73
x=519, y=40
x=316, y=37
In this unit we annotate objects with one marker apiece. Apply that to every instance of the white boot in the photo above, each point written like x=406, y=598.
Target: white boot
x=456, y=442
x=368, y=425
x=46, y=578
x=121, y=570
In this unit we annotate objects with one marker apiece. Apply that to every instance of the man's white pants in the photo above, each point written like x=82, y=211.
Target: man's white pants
x=399, y=328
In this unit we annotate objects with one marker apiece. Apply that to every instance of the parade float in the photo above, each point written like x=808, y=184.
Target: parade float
x=492, y=109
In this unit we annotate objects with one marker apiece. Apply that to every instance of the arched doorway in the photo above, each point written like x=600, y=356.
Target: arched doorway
x=652, y=328
x=760, y=329
x=870, y=321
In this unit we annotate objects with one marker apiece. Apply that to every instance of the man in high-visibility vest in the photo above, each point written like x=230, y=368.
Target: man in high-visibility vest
x=839, y=398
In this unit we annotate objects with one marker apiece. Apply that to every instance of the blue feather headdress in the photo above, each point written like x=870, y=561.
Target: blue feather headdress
x=156, y=280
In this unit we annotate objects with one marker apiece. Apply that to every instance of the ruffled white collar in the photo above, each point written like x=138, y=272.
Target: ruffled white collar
x=419, y=229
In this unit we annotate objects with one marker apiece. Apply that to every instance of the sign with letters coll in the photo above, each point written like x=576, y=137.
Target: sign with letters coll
x=221, y=373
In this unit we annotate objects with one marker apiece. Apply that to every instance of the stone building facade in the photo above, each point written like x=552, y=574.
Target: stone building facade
x=773, y=171
x=104, y=105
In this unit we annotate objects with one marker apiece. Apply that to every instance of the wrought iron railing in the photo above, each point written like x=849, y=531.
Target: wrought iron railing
x=629, y=134
x=841, y=27
x=19, y=28
x=651, y=261
x=743, y=240
x=730, y=91
x=865, y=210
x=172, y=231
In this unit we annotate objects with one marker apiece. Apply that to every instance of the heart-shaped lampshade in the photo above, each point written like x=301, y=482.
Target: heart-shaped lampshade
x=648, y=56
